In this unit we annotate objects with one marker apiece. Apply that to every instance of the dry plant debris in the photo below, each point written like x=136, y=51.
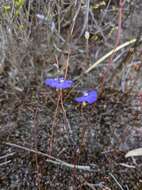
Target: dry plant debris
x=48, y=141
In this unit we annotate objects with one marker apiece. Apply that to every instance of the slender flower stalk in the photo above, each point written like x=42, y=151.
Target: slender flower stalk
x=59, y=84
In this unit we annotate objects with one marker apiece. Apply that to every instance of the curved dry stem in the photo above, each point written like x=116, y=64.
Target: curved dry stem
x=109, y=54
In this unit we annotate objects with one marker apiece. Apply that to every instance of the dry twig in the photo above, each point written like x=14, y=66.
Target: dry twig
x=52, y=159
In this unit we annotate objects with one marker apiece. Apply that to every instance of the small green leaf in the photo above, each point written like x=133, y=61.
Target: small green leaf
x=6, y=8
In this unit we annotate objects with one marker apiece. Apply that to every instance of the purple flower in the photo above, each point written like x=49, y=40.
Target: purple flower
x=89, y=97
x=58, y=83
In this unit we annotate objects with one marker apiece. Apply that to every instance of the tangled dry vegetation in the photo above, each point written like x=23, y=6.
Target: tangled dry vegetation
x=95, y=43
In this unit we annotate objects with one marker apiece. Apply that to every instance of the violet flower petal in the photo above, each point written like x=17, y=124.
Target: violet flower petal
x=89, y=97
x=58, y=83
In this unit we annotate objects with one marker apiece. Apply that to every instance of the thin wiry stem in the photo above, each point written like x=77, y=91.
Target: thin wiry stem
x=116, y=181
x=66, y=119
x=75, y=17
x=54, y=122
x=121, y=4
x=35, y=143
x=85, y=25
x=4, y=163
